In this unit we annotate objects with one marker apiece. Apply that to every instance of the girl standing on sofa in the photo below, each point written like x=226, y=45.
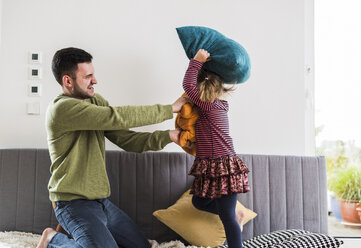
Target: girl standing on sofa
x=219, y=173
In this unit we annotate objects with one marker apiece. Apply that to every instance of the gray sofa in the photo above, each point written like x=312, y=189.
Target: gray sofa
x=286, y=191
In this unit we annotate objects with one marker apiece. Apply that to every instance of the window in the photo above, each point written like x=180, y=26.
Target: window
x=338, y=104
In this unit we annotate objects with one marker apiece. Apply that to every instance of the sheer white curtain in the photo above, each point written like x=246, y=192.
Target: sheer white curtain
x=338, y=70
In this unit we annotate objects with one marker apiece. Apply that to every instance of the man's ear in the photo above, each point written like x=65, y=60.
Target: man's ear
x=67, y=81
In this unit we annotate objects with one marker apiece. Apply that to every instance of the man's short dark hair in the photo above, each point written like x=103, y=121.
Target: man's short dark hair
x=66, y=60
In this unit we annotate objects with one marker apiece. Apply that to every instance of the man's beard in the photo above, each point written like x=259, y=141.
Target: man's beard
x=77, y=93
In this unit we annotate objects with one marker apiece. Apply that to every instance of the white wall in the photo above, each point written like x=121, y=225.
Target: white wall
x=1, y=3
x=139, y=60
x=309, y=78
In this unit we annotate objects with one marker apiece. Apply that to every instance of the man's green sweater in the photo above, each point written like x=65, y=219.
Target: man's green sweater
x=76, y=130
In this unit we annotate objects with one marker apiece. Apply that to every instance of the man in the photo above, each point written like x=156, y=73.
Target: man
x=77, y=122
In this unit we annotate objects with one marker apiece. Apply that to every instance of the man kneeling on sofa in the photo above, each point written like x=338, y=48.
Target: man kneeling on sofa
x=77, y=122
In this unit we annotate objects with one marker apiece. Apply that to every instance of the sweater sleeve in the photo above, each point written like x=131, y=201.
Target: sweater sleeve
x=71, y=114
x=190, y=85
x=132, y=141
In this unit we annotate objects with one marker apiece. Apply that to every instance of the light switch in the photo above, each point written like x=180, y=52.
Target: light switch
x=33, y=108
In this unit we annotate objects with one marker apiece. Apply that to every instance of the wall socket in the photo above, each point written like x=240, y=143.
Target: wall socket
x=34, y=90
x=35, y=57
x=34, y=73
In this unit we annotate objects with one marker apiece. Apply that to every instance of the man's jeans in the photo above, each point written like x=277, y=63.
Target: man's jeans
x=96, y=223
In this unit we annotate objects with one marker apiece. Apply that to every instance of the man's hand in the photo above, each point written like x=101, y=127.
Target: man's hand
x=178, y=104
x=202, y=56
x=174, y=135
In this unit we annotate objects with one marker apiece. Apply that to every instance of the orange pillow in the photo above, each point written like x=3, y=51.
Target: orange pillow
x=186, y=121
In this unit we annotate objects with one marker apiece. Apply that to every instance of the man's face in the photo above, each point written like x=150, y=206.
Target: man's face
x=85, y=79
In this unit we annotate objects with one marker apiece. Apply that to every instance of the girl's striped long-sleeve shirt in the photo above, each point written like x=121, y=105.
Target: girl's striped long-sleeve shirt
x=212, y=128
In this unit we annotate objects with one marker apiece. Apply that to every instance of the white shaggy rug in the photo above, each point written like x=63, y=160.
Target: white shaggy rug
x=29, y=240
x=18, y=240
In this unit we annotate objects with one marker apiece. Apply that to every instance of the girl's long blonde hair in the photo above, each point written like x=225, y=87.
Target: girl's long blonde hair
x=211, y=86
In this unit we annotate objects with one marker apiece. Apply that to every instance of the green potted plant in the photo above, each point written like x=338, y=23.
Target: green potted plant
x=358, y=209
x=346, y=183
x=333, y=166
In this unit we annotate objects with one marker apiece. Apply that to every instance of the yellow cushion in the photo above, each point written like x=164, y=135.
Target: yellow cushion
x=198, y=227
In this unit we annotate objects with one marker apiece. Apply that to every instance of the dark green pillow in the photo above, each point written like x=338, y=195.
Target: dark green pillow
x=229, y=59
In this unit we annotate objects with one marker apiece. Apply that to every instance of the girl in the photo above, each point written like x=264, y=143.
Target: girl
x=219, y=173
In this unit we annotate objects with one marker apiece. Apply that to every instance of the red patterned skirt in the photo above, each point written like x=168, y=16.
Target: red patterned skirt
x=220, y=176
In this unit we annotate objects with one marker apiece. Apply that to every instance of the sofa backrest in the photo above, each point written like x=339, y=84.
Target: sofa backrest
x=286, y=191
